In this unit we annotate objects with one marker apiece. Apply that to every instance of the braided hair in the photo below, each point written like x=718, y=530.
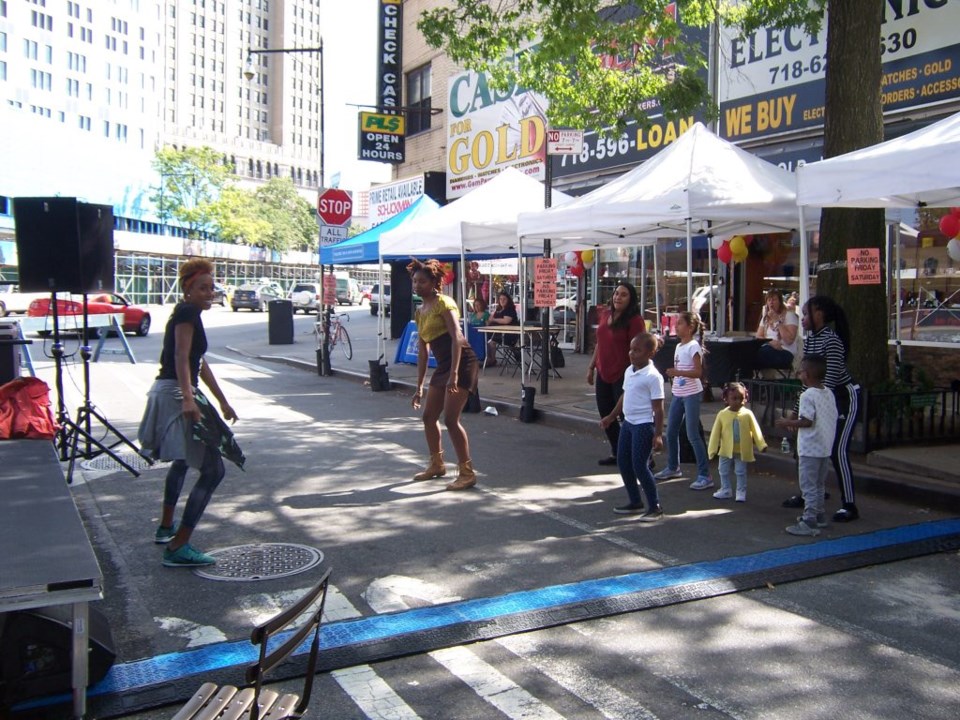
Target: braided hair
x=431, y=268
x=832, y=313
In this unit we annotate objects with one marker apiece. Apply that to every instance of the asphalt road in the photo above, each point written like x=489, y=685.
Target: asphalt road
x=329, y=467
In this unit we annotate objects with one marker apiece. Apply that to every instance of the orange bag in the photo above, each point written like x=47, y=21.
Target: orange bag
x=25, y=410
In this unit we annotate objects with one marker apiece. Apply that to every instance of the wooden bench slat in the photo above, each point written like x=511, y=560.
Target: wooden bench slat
x=216, y=704
x=238, y=706
x=204, y=693
x=282, y=708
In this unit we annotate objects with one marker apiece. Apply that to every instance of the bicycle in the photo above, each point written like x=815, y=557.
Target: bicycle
x=339, y=337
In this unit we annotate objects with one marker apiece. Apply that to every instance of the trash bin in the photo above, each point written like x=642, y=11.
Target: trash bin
x=280, y=322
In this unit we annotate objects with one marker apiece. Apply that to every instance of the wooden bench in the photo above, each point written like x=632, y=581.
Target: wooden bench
x=230, y=703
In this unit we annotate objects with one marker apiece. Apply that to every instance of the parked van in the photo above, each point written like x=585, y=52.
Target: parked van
x=348, y=290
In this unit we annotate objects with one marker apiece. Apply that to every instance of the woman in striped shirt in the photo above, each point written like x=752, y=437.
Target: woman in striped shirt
x=833, y=344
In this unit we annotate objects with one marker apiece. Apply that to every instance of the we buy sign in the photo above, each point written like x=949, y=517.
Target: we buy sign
x=334, y=206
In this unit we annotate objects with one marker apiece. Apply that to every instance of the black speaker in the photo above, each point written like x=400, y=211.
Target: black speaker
x=36, y=648
x=64, y=245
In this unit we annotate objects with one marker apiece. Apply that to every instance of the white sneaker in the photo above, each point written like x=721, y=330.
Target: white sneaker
x=668, y=474
x=821, y=520
x=802, y=529
x=741, y=495
x=723, y=494
x=702, y=483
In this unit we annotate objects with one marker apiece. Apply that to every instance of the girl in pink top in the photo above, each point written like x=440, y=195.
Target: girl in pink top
x=687, y=391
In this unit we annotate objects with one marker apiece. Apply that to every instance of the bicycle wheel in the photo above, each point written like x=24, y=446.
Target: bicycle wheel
x=343, y=340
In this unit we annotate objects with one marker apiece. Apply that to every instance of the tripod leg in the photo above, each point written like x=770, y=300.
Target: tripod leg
x=101, y=449
x=121, y=438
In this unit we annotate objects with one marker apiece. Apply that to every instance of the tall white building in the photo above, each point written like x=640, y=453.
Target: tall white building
x=89, y=89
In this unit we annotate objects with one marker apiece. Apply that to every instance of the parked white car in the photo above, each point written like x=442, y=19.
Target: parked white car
x=306, y=297
x=14, y=301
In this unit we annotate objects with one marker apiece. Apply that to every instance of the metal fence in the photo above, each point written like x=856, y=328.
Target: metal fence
x=886, y=418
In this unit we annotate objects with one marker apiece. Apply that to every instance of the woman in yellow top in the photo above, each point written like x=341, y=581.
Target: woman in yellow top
x=453, y=380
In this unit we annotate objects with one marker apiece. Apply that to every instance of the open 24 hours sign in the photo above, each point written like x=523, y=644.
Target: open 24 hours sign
x=382, y=137
x=772, y=82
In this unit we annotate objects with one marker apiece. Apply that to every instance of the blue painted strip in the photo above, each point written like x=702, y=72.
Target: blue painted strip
x=173, y=666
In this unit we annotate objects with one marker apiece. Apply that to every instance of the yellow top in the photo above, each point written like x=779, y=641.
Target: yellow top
x=431, y=325
x=721, y=437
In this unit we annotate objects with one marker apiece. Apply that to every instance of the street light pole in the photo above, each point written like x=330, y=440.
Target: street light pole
x=323, y=359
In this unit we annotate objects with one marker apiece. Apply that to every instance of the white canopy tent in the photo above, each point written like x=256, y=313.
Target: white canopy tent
x=699, y=183
x=481, y=224
x=911, y=171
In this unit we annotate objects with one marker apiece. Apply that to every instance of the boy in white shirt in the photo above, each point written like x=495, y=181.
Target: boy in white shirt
x=642, y=429
x=816, y=427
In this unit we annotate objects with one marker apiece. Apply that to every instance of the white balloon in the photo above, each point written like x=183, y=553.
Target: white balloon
x=570, y=258
x=953, y=249
x=716, y=242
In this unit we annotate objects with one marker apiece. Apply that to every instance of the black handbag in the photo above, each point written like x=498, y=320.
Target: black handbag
x=556, y=357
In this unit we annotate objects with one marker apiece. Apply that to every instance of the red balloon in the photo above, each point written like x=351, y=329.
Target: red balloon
x=955, y=211
x=577, y=270
x=950, y=225
x=448, y=278
x=725, y=254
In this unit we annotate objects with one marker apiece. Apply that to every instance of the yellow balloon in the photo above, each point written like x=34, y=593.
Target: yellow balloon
x=741, y=255
x=738, y=246
x=587, y=256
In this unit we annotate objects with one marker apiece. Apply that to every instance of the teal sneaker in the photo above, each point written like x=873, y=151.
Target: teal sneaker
x=165, y=534
x=186, y=556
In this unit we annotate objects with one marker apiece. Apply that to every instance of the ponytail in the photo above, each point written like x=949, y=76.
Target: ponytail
x=833, y=313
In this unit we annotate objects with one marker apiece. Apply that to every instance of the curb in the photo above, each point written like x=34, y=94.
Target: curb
x=905, y=486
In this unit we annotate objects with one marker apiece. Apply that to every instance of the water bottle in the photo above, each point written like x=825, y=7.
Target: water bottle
x=785, y=446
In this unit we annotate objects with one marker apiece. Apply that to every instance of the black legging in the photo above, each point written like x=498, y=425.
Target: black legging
x=607, y=396
x=848, y=409
x=211, y=473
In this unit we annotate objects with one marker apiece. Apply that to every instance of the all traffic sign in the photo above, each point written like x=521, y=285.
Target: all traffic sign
x=334, y=206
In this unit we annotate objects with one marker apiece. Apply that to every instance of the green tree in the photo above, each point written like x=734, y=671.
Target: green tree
x=191, y=181
x=239, y=217
x=561, y=49
x=291, y=218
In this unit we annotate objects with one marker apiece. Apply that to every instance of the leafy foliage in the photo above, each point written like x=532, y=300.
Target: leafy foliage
x=199, y=191
x=191, y=181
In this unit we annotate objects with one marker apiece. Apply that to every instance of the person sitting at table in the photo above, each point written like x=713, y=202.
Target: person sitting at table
x=780, y=326
x=479, y=316
x=505, y=314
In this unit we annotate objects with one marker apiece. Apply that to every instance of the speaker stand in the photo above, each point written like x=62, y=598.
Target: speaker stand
x=87, y=413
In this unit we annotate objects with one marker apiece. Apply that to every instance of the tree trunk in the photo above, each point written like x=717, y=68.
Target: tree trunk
x=853, y=120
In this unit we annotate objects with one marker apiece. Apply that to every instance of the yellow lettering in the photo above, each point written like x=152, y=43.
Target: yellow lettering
x=739, y=120
x=532, y=135
x=458, y=156
x=503, y=146
x=483, y=149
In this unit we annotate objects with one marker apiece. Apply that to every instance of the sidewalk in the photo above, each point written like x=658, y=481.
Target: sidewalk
x=925, y=475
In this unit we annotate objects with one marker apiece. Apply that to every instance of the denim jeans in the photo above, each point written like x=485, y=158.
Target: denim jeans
x=686, y=409
x=739, y=467
x=633, y=461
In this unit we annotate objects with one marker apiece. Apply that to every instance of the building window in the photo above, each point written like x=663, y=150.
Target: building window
x=418, y=100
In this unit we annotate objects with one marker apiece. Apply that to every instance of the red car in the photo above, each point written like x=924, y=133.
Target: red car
x=135, y=318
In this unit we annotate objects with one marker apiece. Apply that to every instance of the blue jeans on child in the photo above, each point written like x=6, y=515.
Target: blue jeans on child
x=740, y=469
x=633, y=461
x=686, y=409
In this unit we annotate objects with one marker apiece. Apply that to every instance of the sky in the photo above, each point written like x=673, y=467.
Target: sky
x=349, y=30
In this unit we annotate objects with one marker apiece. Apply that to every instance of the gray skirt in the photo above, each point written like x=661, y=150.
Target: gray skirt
x=164, y=433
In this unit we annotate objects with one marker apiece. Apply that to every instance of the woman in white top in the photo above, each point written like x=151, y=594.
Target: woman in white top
x=779, y=325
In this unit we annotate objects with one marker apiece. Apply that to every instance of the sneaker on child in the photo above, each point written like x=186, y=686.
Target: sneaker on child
x=802, y=529
x=631, y=509
x=741, y=495
x=701, y=483
x=652, y=515
x=668, y=474
x=723, y=494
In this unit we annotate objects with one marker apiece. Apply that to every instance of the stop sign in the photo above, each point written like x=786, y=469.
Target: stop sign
x=334, y=206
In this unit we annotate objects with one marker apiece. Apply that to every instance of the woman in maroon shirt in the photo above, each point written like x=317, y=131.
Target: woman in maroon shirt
x=618, y=324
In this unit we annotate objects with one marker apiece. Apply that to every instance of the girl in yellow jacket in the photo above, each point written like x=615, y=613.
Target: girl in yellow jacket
x=734, y=435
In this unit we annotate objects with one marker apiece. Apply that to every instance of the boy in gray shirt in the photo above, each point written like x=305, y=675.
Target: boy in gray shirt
x=815, y=428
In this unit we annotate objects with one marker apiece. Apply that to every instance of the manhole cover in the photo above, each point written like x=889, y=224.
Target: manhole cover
x=264, y=561
x=106, y=462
